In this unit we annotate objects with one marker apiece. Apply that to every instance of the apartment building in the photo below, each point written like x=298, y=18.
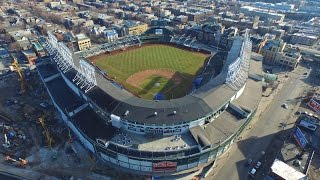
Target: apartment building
x=83, y=41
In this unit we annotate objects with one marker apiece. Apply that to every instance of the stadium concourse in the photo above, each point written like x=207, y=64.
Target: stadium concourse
x=153, y=137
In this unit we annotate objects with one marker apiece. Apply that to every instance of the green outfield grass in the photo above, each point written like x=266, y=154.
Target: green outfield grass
x=122, y=65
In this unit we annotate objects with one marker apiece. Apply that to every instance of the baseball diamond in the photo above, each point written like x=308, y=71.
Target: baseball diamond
x=132, y=69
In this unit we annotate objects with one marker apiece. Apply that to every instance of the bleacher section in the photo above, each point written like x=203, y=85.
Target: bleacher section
x=120, y=43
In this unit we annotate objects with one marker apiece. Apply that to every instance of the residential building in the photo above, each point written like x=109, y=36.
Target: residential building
x=134, y=27
x=111, y=35
x=30, y=55
x=290, y=57
x=227, y=37
x=208, y=33
x=4, y=53
x=38, y=49
x=278, y=52
x=270, y=50
x=83, y=41
x=302, y=38
x=263, y=14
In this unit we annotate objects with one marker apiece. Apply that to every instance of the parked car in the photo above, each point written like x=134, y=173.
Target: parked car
x=258, y=165
x=249, y=162
x=252, y=173
x=285, y=106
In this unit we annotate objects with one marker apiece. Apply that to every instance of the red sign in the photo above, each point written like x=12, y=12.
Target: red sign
x=164, y=166
x=314, y=105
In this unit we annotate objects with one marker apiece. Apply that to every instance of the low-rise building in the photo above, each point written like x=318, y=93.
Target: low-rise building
x=271, y=49
x=83, y=41
x=302, y=38
x=290, y=57
x=111, y=35
x=30, y=55
x=208, y=33
x=263, y=14
x=4, y=53
x=38, y=49
x=134, y=27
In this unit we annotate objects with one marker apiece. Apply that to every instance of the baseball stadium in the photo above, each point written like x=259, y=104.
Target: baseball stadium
x=155, y=104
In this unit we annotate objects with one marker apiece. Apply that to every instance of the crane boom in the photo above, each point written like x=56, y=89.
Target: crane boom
x=23, y=83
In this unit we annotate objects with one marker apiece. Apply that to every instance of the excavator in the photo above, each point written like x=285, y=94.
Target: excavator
x=20, y=161
x=23, y=82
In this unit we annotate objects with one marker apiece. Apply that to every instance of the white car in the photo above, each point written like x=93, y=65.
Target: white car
x=258, y=165
x=252, y=172
x=285, y=106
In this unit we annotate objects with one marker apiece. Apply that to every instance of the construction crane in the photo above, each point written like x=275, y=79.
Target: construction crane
x=23, y=82
x=50, y=140
x=22, y=162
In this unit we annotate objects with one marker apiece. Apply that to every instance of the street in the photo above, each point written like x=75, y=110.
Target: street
x=262, y=130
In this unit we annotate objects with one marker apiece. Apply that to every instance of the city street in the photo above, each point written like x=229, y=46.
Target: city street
x=262, y=130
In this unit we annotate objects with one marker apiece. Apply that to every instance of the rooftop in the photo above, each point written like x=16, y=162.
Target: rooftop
x=292, y=156
x=81, y=37
x=152, y=143
x=286, y=172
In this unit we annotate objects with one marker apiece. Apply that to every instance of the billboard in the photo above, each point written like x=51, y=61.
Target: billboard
x=314, y=104
x=300, y=138
x=159, y=31
x=164, y=166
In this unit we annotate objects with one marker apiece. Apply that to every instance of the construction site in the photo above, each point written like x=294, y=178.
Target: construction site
x=35, y=143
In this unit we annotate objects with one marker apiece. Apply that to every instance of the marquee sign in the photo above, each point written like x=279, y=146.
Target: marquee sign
x=164, y=166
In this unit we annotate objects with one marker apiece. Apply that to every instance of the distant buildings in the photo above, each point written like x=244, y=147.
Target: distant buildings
x=302, y=38
x=263, y=14
x=83, y=42
x=275, y=6
x=207, y=33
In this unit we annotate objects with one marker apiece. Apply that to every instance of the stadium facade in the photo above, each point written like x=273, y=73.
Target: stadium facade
x=149, y=136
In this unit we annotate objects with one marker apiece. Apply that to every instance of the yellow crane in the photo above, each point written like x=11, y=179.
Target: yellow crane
x=23, y=82
x=50, y=140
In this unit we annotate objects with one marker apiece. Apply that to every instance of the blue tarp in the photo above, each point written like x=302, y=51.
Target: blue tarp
x=159, y=96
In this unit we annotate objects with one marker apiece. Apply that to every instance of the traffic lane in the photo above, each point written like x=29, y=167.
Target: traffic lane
x=268, y=124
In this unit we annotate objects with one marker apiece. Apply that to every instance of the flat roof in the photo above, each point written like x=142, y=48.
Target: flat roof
x=289, y=154
x=286, y=172
x=152, y=143
x=81, y=36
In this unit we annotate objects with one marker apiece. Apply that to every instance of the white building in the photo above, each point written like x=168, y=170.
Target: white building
x=111, y=35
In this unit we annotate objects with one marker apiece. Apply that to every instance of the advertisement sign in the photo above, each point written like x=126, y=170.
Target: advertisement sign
x=314, y=105
x=299, y=137
x=164, y=166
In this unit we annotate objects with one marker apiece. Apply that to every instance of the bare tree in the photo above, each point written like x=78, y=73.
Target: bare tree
x=15, y=46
